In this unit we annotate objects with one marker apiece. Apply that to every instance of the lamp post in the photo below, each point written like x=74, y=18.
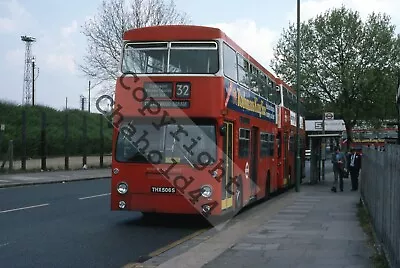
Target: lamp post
x=398, y=117
x=298, y=162
x=398, y=106
x=33, y=81
x=89, y=98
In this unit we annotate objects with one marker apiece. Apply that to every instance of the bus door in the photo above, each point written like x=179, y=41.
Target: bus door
x=253, y=161
x=279, y=158
x=227, y=188
x=285, y=158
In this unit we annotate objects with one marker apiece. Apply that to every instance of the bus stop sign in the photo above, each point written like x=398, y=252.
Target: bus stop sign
x=329, y=116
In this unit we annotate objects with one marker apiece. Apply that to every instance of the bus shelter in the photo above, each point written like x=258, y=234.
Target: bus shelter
x=320, y=153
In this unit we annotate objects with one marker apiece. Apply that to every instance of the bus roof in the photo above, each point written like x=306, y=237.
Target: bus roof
x=189, y=32
x=172, y=32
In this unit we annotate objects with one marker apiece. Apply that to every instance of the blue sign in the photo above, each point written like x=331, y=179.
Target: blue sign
x=247, y=102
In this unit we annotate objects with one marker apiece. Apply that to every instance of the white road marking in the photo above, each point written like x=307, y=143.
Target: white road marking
x=5, y=244
x=93, y=196
x=4, y=181
x=16, y=209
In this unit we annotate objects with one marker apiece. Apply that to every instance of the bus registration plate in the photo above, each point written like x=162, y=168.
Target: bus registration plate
x=155, y=189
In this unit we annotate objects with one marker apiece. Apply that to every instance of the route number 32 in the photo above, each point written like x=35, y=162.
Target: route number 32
x=183, y=90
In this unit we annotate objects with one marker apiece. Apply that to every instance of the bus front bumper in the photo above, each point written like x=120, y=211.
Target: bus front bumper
x=158, y=203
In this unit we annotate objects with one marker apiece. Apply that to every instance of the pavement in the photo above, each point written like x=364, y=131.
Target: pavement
x=312, y=228
x=71, y=225
x=58, y=163
x=22, y=179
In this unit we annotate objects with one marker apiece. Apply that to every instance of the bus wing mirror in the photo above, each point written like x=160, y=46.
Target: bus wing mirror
x=222, y=130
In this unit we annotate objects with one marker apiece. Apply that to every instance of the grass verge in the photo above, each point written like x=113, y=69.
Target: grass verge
x=378, y=259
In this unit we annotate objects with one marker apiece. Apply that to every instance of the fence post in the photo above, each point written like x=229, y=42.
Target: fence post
x=1, y=140
x=43, y=142
x=10, y=156
x=66, y=145
x=84, y=158
x=101, y=141
x=23, y=157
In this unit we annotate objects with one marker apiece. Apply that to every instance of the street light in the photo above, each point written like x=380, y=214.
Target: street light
x=34, y=78
x=33, y=81
x=398, y=115
x=298, y=163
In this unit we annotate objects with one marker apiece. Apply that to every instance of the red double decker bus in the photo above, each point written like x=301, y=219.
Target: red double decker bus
x=370, y=137
x=287, y=136
x=196, y=125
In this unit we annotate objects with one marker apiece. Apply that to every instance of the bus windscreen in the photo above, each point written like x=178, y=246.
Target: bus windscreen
x=171, y=58
x=166, y=146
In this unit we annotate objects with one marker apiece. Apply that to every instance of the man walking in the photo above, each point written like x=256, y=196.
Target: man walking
x=339, y=163
x=354, y=166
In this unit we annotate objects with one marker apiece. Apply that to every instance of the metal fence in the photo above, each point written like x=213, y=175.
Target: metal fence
x=380, y=188
x=54, y=138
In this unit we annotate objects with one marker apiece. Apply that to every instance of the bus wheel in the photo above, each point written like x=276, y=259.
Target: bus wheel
x=239, y=196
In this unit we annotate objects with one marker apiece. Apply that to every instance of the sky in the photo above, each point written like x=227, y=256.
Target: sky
x=255, y=25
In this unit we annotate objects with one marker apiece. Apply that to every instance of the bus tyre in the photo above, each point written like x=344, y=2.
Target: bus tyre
x=239, y=196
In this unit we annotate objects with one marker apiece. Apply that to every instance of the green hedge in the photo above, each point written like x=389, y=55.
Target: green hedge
x=11, y=116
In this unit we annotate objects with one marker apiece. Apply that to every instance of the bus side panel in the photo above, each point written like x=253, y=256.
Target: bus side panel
x=263, y=166
x=291, y=160
x=274, y=166
x=281, y=161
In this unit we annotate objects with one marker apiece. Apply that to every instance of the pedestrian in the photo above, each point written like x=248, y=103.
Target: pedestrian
x=354, y=166
x=339, y=164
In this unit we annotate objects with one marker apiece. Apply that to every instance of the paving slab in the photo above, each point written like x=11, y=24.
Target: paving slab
x=23, y=179
x=324, y=234
x=57, y=163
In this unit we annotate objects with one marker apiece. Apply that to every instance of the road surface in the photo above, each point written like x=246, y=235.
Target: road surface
x=71, y=225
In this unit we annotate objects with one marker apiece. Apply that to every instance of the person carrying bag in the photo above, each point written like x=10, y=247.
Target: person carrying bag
x=339, y=170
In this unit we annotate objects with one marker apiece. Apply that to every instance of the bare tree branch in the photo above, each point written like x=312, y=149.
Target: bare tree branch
x=104, y=33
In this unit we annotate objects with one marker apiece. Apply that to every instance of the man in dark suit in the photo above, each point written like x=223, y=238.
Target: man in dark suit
x=354, y=166
x=339, y=163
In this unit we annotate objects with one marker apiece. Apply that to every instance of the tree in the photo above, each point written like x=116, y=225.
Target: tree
x=105, y=31
x=347, y=66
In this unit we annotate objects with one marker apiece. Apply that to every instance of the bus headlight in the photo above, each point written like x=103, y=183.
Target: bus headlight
x=122, y=188
x=206, y=191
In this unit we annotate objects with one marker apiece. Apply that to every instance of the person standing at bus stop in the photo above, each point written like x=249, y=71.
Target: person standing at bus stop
x=354, y=166
x=339, y=164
